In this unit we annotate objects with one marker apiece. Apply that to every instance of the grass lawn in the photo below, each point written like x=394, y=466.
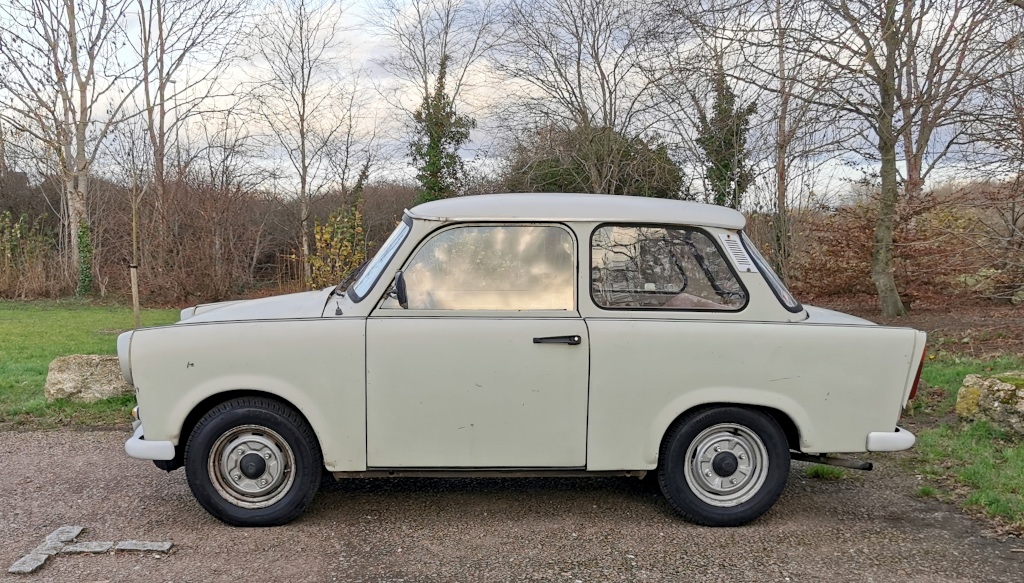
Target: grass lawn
x=983, y=466
x=34, y=333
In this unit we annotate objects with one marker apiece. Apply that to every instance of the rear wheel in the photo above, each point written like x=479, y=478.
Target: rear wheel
x=253, y=462
x=724, y=466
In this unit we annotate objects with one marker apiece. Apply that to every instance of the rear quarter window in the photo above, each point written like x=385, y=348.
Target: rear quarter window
x=774, y=281
x=654, y=267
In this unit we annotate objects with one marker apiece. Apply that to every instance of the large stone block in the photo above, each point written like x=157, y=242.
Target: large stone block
x=85, y=377
x=998, y=399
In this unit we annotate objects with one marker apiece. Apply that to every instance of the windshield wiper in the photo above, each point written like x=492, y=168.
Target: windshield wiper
x=355, y=273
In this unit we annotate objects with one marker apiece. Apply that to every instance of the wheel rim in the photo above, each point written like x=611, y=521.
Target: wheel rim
x=251, y=466
x=726, y=465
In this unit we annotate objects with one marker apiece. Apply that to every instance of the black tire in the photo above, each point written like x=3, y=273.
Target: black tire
x=270, y=489
x=716, y=491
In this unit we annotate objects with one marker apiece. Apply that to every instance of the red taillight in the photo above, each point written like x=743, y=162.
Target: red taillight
x=917, y=377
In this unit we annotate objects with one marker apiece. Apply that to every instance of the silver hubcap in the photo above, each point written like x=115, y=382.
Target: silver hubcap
x=251, y=466
x=726, y=465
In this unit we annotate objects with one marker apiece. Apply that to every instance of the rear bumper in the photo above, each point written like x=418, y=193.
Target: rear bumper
x=139, y=448
x=898, y=440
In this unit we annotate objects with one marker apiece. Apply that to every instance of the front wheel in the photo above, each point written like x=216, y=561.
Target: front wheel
x=724, y=466
x=253, y=462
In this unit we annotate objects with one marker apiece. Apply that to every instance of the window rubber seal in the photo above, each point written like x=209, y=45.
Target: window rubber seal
x=357, y=298
x=590, y=269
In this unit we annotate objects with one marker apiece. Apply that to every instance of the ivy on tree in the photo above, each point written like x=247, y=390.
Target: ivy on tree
x=85, y=253
x=723, y=138
x=438, y=134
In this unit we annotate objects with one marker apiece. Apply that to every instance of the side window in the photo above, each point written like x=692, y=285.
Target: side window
x=671, y=268
x=506, y=267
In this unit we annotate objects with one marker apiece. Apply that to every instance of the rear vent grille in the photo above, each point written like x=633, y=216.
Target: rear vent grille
x=739, y=254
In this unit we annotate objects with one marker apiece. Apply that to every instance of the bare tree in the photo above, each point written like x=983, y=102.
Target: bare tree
x=64, y=81
x=420, y=32
x=432, y=46
x=354, y=152
x=858, y=45
x=906, y=67
x=952, y=50
x=997, y=127
x=803, y=134
x=798, y=135
x=298, y=98
x=184, y=47
x=134, y=162
x=581, y=64
x=996, y=221
x=903, y=72
x=900, y=76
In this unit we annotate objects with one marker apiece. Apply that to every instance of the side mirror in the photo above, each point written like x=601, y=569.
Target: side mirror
x=403, y=296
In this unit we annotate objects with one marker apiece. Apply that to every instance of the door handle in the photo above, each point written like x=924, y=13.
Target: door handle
x=570, y=340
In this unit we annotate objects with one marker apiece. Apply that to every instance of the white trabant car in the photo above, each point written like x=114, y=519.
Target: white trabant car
x=524, y=334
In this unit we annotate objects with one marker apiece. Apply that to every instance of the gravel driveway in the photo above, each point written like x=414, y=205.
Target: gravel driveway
x=865, y=528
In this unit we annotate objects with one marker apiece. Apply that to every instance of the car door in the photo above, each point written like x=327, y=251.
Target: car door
x=487, y=366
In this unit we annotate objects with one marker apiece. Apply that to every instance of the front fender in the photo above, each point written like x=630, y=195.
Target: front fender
x=316, y=365
x=267, y=385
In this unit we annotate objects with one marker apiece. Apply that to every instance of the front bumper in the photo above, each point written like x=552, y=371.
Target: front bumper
x=138, y=447
x=898, y=440
x=124, y=347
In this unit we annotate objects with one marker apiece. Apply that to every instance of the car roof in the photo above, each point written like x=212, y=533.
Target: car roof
x=577, y=207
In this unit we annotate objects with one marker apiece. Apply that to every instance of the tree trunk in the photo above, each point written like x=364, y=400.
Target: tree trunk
x=882, y=248
x=307, y=269
x=913, y=156
x=134, y=267
x=914, y=184
x=781, y=223
x=78, y=225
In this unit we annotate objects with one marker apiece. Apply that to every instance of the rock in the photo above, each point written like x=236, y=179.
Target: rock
x=998, y=399
x=968, y=396
x=53, y=544
x=64, y=534
x=85, y=377
x=142, y=545
x=87, y=547
x=28, y=564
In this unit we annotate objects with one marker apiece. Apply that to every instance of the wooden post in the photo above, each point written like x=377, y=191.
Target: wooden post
x=135, y=295
x=134, y=265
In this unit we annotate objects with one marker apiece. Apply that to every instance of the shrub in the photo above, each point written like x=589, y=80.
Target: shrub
x=831, y=251
x=28, y=262
x=339, y=246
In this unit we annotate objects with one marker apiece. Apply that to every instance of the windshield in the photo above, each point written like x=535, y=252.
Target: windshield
x=371, y=272
x=774, y=281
